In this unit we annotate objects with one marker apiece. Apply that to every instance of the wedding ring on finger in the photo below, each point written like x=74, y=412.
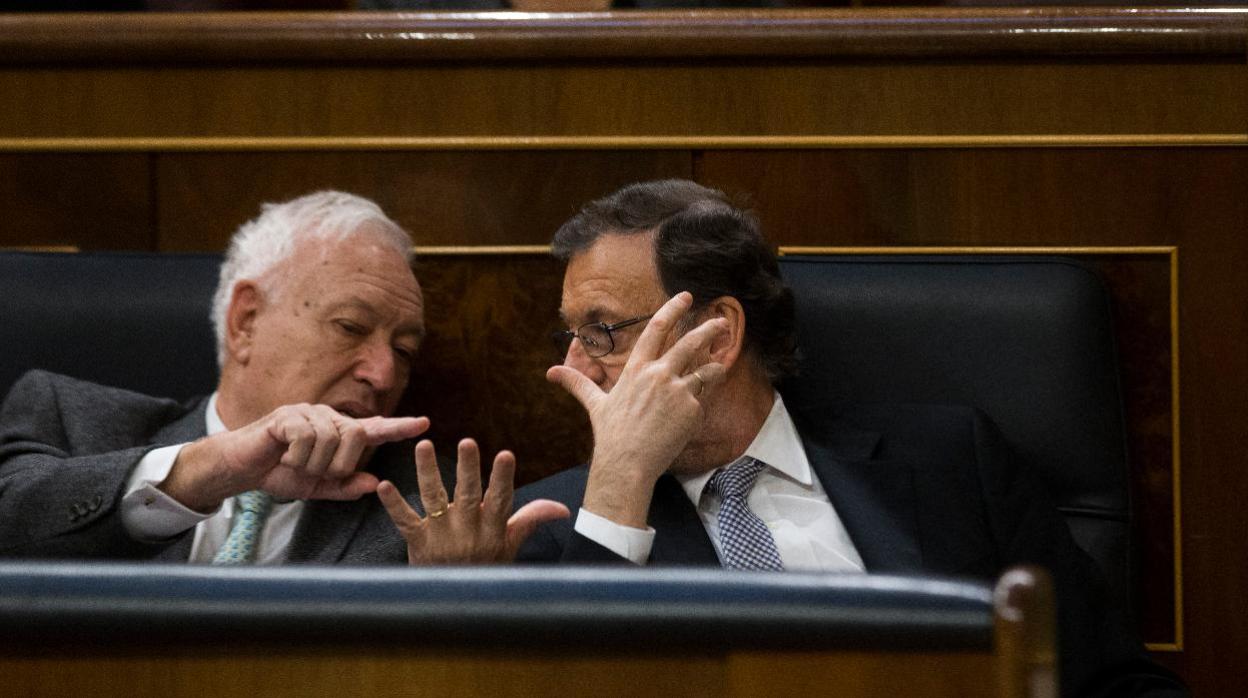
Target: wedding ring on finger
x=701, y=383
x=438, y=513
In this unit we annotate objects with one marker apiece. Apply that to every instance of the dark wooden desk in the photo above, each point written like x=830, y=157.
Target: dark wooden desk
x=174, y=630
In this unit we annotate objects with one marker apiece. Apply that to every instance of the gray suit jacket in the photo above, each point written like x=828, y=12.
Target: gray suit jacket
x=67, y=448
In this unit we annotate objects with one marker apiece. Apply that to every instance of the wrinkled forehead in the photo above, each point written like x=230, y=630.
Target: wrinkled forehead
x=356, y=260
x=614, y=276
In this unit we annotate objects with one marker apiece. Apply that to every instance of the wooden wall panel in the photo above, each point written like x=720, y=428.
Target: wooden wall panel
x=1140, y=288
x=969, y=196
x=481, y=372
x=443, y=198
x=416, y=672
x=95, y=201
x=813, y=97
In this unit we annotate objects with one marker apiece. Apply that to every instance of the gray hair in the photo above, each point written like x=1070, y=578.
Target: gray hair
x=261, y=244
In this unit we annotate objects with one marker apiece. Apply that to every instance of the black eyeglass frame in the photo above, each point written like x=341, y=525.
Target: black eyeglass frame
x=563, y=338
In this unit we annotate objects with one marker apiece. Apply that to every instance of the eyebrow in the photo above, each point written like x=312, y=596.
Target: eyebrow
x=352, y=303
x=594, y=314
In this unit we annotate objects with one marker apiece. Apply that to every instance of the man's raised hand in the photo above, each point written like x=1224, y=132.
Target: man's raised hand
x=295, y=452
x=649, y=415
x=476, y=526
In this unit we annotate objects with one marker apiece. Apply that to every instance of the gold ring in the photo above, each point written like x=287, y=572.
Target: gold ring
x=440, y=512
x=701, y=382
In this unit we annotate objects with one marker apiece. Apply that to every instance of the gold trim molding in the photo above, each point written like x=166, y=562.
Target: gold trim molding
x=598, y=142
x=60, y=249
x=1172, y=254
x=972, y=250
x=479, y=250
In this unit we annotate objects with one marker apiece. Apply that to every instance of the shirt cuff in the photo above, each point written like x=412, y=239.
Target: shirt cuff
x=147, y=513
x=632, y=544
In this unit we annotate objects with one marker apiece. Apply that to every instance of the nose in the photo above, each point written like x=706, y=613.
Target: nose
x=577, y=358
x=376, y=366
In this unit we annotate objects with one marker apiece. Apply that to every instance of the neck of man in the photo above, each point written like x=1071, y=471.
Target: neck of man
x=735, y=413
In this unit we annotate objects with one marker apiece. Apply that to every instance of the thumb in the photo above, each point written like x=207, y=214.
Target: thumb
x=575, y=383
x=527, y=518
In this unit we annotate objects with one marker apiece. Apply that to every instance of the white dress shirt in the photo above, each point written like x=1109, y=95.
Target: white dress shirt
x=787, y=496
x=149, y=514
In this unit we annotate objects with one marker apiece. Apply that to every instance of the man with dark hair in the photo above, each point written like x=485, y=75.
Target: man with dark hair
x=680, y=329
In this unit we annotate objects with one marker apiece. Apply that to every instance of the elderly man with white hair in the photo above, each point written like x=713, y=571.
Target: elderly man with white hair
x=318, y=317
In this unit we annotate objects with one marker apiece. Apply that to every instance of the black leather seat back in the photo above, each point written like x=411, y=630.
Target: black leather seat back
x=1027, y=340
x=137, y=321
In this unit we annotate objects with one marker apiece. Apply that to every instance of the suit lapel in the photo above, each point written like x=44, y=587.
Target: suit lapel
x=874, y=498
x=680, y=538
x=189, y=427
x=324, y=530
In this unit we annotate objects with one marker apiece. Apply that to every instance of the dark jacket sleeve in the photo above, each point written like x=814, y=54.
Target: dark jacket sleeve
x=66, y=450
x=1099, y=655
x=558, y=541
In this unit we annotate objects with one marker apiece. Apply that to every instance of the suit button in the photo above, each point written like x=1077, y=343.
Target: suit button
x=95, y=503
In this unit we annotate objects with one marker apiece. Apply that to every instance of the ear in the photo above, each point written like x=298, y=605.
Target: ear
x=246, y=302
x=726, y=348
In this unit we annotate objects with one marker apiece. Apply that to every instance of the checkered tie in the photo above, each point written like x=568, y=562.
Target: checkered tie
x=251, y=508
x=744, y=539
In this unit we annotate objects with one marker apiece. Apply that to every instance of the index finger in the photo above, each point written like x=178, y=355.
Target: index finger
x=380, y=430
x=650, y=344
x=693, y=344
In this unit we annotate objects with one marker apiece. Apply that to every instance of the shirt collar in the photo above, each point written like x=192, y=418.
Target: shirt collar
x=777, y=444
x=212, y=420
x=214, y=425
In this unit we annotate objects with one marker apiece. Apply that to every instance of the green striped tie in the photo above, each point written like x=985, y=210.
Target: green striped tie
x=251, y=509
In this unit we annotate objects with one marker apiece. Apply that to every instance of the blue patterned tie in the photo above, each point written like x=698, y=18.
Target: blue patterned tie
x=744, y=539
x=251, y=508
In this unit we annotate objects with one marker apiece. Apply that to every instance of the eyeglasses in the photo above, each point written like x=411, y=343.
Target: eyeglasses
x=596, y=338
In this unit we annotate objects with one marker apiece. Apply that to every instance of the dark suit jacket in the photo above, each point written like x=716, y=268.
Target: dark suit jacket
x=921, y=489
x=67, y=448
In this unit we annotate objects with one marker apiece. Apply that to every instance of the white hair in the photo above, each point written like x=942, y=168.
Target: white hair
x=262, y=243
